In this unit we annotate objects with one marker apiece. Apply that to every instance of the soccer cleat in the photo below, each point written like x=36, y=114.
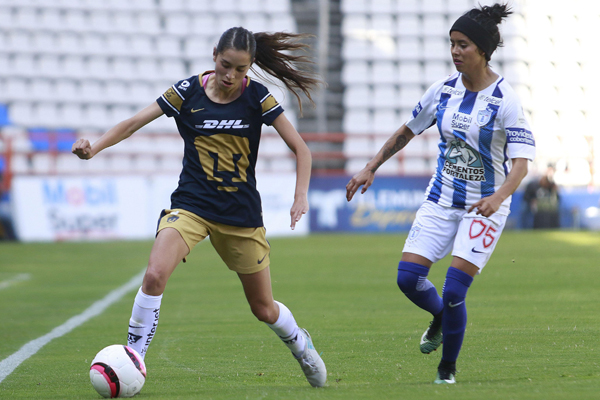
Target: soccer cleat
x=444, y=377
x=311, y=363
x=432, y=338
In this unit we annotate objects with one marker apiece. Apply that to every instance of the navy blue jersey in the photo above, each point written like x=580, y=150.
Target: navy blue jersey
x=221, y=145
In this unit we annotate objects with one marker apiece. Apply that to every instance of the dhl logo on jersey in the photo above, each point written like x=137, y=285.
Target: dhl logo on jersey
x=222, y=124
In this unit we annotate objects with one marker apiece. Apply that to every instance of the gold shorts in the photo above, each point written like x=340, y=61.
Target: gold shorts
x=244, y=250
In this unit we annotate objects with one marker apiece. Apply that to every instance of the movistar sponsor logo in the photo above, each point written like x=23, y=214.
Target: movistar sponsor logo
x=222, y=124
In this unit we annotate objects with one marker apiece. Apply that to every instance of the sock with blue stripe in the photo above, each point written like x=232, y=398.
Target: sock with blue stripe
x=413, y=282
x=454, y=322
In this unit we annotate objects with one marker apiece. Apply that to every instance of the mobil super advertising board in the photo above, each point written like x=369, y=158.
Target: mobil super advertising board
x=389, y=205
x=79, y=208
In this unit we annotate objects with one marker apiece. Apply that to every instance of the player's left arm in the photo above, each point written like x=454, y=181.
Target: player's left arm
x=489, y=205
x=294, y=141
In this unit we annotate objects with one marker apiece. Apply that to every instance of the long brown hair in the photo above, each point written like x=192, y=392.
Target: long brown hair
x=267, y=51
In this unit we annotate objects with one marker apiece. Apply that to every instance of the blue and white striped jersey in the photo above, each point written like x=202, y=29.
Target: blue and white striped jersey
x=479, y=133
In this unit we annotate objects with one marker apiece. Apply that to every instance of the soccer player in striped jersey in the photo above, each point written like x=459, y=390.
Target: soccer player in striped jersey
x=485, y=144
x=219, y=115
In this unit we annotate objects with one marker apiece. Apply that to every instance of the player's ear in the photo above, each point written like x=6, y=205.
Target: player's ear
x=214, y=54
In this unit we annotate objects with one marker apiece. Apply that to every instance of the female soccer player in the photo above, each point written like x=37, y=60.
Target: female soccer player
x=219, y=116
x=482, y=126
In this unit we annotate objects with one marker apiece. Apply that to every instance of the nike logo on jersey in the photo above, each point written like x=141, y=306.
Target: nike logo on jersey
x=262, y=259
x=476, y=251
x=452, y=305
x=196, y=110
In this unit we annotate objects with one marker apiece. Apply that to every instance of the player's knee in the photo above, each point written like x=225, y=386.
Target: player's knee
x=154, y=282
x=407, y=281
x=264, y=313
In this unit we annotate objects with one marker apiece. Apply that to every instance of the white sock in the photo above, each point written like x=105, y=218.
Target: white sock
x=143, y=322
x=287, y=329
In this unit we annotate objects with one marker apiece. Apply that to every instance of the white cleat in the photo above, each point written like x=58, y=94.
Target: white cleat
x=311, y=363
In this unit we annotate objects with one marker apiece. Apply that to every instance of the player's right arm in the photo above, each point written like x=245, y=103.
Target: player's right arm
x=366, y=176
x=84, y=150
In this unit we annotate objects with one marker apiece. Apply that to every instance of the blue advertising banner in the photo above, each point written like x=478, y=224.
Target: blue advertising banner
x=389, y=205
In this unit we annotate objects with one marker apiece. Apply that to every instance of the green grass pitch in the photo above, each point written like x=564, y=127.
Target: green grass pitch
x=533, y=329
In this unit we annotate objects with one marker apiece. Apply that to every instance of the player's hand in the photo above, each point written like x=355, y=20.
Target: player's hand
x=486, y=206
x=364, y=177
x=299, y=208
x=82, y=149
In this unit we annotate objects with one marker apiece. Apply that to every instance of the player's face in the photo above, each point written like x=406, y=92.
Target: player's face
x=467, y=57
x=231, y=66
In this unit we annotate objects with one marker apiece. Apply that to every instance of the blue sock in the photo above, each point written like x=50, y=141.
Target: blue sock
x=412, y=280
x=454, y=322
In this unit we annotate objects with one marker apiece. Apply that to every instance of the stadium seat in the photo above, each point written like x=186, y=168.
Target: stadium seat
x=277, y=6
x=385, y=121
x=433, y=6
x=384, y=72
x=282, y=23
x=354, y=165
x=354, y=6
x=355, y=24
x=409, y=96
x=410, y=72
x=357, y=121
x=435, y=24
x=203, y=24
x=16, y=89
x=65, y=90
x=383, y=23
x=407, y=6
x=173, y=5
x=416, y=166
x=408, y=25
x=141, y=45
x=355, y=49
x=357, y=96
x=123, y=68
x=436, y=49
x=48, y=65
x=169, y=46
x=255, y=21
x=435, y=70
x=177, y=24
x=21, y=114
x=357, y=71
x=124, y=22
x=516, y=72
x=23, y=65
x=73, y=67
x=358, y=147
x=409, y=49
x=385, y=96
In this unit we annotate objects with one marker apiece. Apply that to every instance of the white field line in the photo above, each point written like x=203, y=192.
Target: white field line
x=11, y=281
x=9, y=364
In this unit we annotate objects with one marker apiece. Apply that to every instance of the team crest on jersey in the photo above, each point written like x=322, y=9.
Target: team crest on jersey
x=484, y=116
x=415, y=230
x=463, y=162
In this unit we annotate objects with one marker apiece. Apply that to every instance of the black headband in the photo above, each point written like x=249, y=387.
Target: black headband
x=482, y=38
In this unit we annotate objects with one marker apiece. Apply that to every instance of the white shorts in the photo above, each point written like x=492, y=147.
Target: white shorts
x=437, y=230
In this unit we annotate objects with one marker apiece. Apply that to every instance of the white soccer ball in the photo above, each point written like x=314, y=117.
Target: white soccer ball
x=118, y=371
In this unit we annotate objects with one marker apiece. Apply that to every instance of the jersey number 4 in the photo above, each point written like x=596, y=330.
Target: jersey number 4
x=224, y=158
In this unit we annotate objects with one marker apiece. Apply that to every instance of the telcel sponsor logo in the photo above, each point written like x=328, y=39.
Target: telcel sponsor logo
x=58, y=192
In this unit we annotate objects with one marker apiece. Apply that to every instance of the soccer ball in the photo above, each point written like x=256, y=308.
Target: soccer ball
x=118, y=371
